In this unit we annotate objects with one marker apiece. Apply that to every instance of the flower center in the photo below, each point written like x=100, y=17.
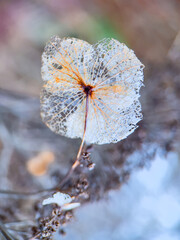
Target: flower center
x=87, y=89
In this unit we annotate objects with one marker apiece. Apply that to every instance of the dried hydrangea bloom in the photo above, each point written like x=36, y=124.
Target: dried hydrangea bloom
x=91, y=91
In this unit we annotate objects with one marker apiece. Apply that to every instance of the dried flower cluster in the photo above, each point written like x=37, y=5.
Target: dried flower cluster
x=60, y=215
x=47, y=226
x=85, y=161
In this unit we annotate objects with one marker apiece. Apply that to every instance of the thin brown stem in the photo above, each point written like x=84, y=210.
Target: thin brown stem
x=77, y=161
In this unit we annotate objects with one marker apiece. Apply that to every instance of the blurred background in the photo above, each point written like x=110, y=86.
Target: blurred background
x=136, y=181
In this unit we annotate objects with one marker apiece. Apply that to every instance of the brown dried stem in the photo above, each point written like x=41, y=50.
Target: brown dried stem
x=77, y=161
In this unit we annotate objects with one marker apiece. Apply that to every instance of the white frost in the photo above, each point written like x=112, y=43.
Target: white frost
x=61, y=199
x=58, y=198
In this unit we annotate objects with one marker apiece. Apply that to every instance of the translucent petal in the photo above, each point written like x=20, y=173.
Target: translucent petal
x=115, y=76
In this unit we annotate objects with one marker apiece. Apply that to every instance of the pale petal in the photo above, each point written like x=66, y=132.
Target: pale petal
x=70, y=206
x=115, y=75
x=58, y=198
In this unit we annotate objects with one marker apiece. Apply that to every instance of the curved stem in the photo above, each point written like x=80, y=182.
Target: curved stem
x=77, y=161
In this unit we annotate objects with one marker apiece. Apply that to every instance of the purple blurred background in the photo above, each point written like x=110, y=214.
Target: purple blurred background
x=152, y=30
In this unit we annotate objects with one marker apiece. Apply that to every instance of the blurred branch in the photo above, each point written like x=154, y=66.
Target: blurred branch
x=22, y=195
x=4, y=232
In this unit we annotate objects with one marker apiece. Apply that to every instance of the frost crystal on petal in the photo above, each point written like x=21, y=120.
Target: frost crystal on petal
x=115, y=75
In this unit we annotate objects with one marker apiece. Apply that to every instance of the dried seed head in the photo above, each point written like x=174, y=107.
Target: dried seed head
x=56, y=212
x=44, y=221
x=82, y=185
x=86, y=155
x=46, y=233
x=91, y=166
x=56, y=223
x=51, y=229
